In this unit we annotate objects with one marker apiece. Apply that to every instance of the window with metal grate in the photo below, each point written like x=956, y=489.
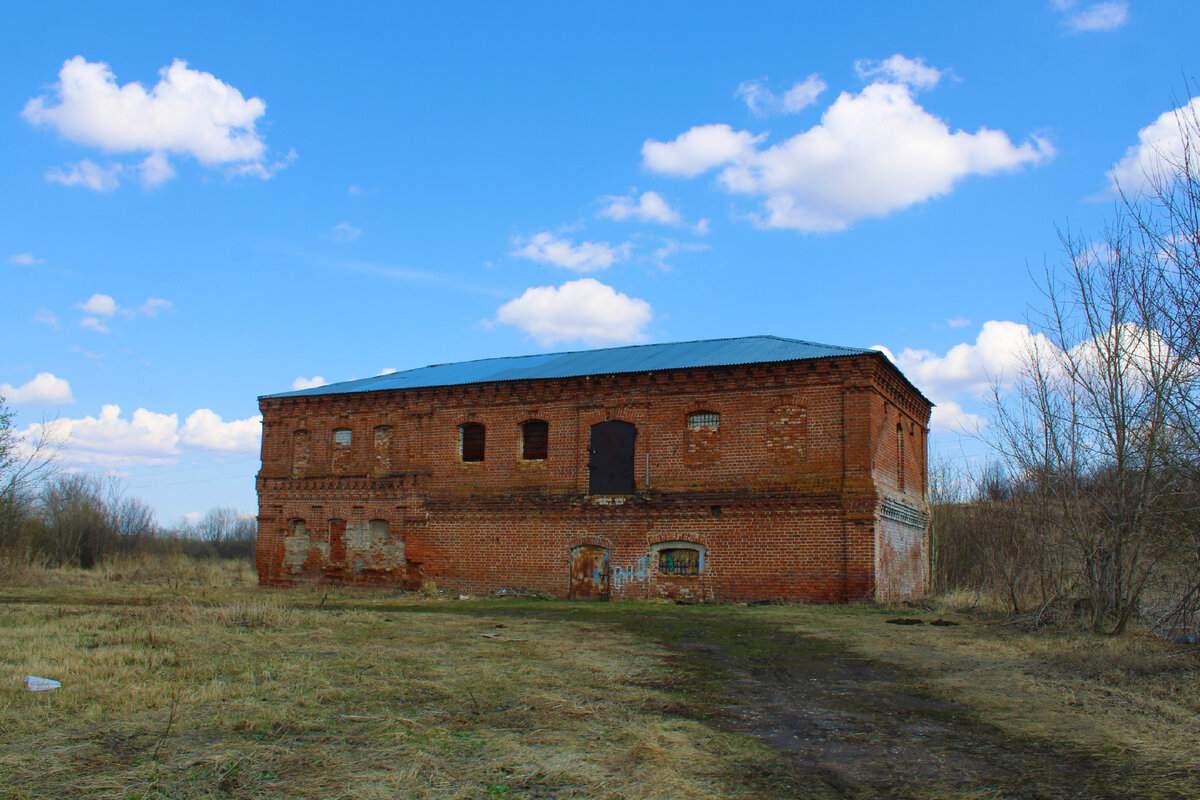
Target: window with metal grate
x=704, y=419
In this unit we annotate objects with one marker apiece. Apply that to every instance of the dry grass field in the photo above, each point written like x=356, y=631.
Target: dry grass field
x=184, y=680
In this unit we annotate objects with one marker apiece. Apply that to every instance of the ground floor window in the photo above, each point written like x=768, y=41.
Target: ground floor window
x=679, y=561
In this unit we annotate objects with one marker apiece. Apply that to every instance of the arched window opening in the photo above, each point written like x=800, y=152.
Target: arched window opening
x=535, y=439
x=342, y=439
x=471, y=439
x=612, y=458
x=703, y=419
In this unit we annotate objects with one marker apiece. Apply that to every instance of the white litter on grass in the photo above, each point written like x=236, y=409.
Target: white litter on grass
x=35, y=684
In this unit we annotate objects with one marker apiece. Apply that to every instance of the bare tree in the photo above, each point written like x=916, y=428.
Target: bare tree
x=24, y=465
x=1102, y=424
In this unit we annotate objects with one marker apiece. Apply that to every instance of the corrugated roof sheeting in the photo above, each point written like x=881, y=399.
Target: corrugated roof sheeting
x=609, y=361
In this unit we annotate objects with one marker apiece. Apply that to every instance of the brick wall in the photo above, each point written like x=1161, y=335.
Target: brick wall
x=783, y=496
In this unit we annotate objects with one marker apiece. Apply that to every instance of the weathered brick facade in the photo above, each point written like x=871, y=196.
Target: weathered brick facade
x=796, y=480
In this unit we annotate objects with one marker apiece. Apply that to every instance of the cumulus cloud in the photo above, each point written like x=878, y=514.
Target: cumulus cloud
x=872, y=153
x=187, y=113
x=762, y=101
x=45, y=389
x=950, y=416
x=345, y=232
x=898, y=69
x=1160, y=150
x=1104, y=16
x=46, y=317
x=87, y=173
x=546, y=248
x=583, y=309
x=25, y=260
x=204, y=430
x=997, y=354
x=309, y=383
x=650, y=207
x=99, y=304
x=108, y=440
x=112, y=441
x=698, y=150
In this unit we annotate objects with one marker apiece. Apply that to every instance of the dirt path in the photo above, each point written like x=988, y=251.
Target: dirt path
x=851, y=727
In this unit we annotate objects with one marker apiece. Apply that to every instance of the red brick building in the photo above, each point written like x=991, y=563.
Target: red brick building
x=730, y=469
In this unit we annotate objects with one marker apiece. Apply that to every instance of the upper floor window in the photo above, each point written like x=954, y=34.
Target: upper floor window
x=535, y=439
x=383, y=448
x=703, y=419
x=342, y=437
x=471, y=438
x=301, y=449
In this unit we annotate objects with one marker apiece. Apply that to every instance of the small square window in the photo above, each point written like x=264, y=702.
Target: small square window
x=342, y=437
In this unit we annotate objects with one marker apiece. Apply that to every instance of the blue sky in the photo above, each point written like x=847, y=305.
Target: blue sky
x=206, y=204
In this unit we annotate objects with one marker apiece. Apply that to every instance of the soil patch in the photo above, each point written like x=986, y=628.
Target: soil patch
x=860, y=728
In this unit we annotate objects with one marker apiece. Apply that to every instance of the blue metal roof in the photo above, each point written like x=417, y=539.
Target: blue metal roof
x=609, y=361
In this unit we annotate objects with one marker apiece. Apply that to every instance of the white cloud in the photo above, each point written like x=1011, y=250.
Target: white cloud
x=1104, y=16
x=100, y=305
x=309, y=383
x=110, y=441
x=153, y=305
x=670, y=247
x=46, y=317
x=650, y=207
x=872, y=153
x=697, y=150
x=187, y=113
x=583, y=309
x=762, y=101
x=155, y=169
x=95, y=324
x=192, y=517
x=87, y=173
x=950, y=416
x=387, y=371
x=45, y=389
x=898, y=69
x=25, y=260
x=345, y=232
x=957, y=322
x=204, y=430
x=998, y=354
x=1160, y=149
x=546, y=248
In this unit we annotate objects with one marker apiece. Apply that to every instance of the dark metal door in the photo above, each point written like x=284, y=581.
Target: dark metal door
x=589, y=572
x=611, y=461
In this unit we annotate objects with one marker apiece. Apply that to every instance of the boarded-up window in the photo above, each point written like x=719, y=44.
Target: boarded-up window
x=379, y=530
x=301, y=450
x=680, y=561
x=342, y=439
x=703, y=419
x=535, y=438
x=337, y=542
x=383, y=449
x=471, y=441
